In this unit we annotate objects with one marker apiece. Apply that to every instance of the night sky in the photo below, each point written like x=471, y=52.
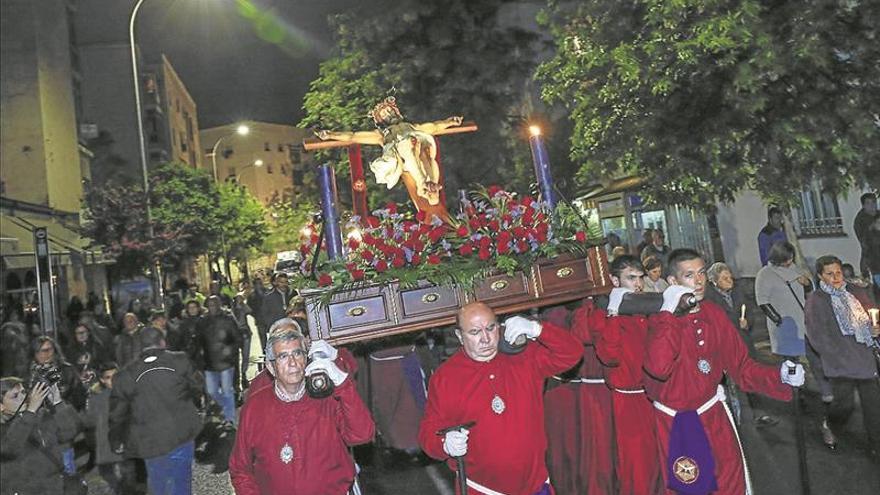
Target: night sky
x=240, y=59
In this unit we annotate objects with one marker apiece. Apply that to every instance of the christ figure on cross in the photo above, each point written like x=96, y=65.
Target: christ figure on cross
x=409, y=153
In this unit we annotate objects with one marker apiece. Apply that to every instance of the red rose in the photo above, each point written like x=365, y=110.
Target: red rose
x=580, y=236
x=324, y=280
x=502, y=247
x=507, y=218
x=470, y=211
x=494, y=226
x=436, y=234
x=369, y=240
x=493, y=190
x=416, y=259
x=418, y=245
x=474, y=223
x=542, y=236
x=528, y=217
x=353, y=243
x=462, y=231
x=485, y=241
x=519, y=232
x=373, y=222
x=527, y=201
x=542, y=227
x=421, y=216
x=314, y=238
x=367, y=255
x=408, y=225
x=466, y=249
x=522, y=246
x=391, y=207
x=381, y=266
x=398, y=261
x=433, y=259
x=484, y=253
x=357, y=274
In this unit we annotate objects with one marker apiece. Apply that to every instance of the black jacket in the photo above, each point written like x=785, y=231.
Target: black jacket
x=218, y=341
x=153, y=404
x=26, y=467
x=273, y=307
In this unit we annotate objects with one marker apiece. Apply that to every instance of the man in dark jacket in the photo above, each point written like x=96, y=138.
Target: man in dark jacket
x=218, y=341
x=274, y=304
x=153, y=414
x=128, y=342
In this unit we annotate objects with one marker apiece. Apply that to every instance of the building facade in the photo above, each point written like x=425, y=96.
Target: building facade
x=43, y=161
x=269, y=161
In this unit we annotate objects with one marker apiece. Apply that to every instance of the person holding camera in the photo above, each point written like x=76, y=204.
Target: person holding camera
x=49, y=363
x=489, y=406
x=36, y=426
x=291, y=442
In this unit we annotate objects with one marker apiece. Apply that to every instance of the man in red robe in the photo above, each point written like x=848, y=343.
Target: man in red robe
x=288, y=442
x=686, y=358
x=501, y=393
x=580, y=432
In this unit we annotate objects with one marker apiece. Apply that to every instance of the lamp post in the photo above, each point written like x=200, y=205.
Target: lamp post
x=241, y=130
x=157, y=265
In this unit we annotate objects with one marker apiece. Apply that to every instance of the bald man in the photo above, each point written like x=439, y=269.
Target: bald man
x=504, y=450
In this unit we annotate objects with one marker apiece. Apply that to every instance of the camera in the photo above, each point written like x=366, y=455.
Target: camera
x=50, y=375
x=318, y=384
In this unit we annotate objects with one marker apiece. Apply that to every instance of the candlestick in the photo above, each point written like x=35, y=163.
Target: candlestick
x=875, y=315
x=742, y=312
x=330, y=211
x=542, y=166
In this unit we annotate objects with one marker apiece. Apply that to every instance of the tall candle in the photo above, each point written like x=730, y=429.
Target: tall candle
x=875, y=315
x=742, y=312
x=330, y=211
x=542, y=166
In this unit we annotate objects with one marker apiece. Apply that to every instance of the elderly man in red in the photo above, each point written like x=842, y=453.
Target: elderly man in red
x=686, y=359
x=504, y=450
x=620, y=342
x=289, y=442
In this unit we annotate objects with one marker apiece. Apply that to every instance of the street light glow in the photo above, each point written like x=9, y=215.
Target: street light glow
x=534, y=130
x=258, y=163
x=243, y=130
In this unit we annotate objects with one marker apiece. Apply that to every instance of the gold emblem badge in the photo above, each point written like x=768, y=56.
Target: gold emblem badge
x=686, y=470
x=360, y=185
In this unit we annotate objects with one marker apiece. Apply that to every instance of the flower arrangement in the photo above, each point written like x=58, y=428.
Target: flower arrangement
x=496, y=232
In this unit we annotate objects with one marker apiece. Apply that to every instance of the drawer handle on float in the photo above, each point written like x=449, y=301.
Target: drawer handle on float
x=565, y=272
x=357, y=311
x=430, y=297
x=499, y=285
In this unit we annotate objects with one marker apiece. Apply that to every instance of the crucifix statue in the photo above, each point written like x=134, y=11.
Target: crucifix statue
x=409, y=154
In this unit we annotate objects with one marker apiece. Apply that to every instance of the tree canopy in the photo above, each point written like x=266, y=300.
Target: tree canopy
x=705, y=98
x=441, y=58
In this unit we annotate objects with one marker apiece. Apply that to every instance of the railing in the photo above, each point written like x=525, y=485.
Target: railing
x=820, y=226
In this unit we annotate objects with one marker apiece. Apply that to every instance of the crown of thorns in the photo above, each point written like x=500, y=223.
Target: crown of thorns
x=389, y=102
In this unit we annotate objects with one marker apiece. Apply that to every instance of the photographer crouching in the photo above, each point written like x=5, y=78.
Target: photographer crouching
x=36, y=425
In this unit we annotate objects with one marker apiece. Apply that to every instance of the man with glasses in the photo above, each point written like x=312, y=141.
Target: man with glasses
x=289, y=442
x=502, y=395
x=686, y=359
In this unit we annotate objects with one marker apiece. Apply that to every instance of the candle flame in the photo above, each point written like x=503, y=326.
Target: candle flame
x=534, y=130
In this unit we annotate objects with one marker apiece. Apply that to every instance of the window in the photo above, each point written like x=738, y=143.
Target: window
x=230, y=171
x=183, y=143
x=818, y=213
x=269, y=169
x=295, y=156
x=283, y=170
x=280, y=148
x=267, y=146
x=297, y=177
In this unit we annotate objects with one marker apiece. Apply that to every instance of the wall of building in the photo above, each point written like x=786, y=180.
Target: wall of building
x=39, y=149
x=740, y=222
x=182, y=116
x=271, y=143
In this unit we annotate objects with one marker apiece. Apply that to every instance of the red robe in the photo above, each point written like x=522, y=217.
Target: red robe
x=675, y=345
x=620, y=345
x=579, y=426
x=319, y=431
x=505, y=451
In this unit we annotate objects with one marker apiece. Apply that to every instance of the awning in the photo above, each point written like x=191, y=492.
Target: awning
x=65, y=245
x=614, y=186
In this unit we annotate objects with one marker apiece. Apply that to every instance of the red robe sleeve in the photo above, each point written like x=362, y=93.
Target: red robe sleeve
x=354, y=421
x=749, y=374
x=558, y=350
x=582, y=320
x=241, y=464
x=664, y=345
x=432, y=421
x=607, y=338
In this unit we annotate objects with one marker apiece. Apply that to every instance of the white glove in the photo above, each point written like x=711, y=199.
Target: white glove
x=337, y=376
x=795, y=380
x=517, y=325
x=322, y=347
x=455, y=442
x=54, y=395
x=672, y=295
x=615, y=298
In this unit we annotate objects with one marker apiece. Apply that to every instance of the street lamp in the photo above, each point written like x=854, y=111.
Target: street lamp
x=241, y=130
x=257, y=164
x=157, y=267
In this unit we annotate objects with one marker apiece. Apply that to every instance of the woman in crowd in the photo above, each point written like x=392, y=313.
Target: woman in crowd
x=723, y=291
x=14, y=337
x=33, y=437
x=86, y=353
x=780, y=291
x=653, y=280
x=840, y=328
x=47, y=356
